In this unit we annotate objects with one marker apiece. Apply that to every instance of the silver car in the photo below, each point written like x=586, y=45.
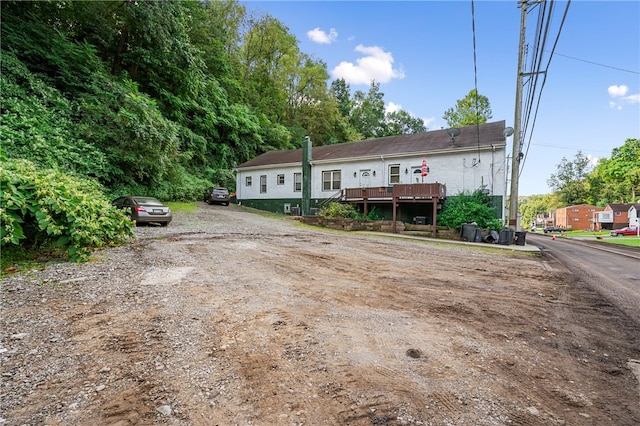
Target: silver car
x=144, y=209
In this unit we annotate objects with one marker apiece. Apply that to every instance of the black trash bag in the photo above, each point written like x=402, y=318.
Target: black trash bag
x=492, y=237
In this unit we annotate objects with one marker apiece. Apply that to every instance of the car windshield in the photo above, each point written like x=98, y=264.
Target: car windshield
x=221, y=190
x=146, y=201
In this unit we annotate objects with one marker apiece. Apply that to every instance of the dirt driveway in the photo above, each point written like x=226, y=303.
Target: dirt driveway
x=227, y=317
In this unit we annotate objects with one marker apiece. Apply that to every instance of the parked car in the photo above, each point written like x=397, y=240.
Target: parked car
x=552, y=229
x=144, y=209
x=629, y=230
x=216, y=195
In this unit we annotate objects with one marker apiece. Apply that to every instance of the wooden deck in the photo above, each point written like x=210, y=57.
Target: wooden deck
x=431, y=193
x=417, y=192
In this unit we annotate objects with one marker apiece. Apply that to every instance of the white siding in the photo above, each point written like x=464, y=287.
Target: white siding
x=460, y=172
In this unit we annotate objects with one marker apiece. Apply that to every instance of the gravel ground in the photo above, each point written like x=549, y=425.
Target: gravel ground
x=232, y=318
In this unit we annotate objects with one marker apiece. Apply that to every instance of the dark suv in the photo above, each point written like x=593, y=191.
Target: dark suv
x=213, y=195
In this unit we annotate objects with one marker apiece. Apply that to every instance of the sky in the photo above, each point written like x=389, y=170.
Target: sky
x=422, y=55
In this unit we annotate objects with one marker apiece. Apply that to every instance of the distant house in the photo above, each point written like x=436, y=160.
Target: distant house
x=634, y=215
x=620, y=215
x=366, y=173
x=579, y=217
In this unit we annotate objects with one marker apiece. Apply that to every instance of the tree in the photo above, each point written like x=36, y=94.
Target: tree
x=534, y=205
x=570, y=178
x=622, y=170
x=367, y=113
x=402, y=123
x=342, y=93
x=473, y=109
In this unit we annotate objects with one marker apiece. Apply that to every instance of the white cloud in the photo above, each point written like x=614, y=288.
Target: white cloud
x=593, y=161
x=392, y=107
x=428, y=121
x=634, y=99
x=617, y=91
x=319, y=36
x=620, y=98
x=375, y=64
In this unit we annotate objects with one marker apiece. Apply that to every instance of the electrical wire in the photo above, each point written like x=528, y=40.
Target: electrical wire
x=540, y=41
x=475, y=79
x=595, y=63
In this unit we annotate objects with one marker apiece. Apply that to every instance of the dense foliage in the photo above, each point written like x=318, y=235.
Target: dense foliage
x=335, y=210
x=167, y=97
x=466, y=208
x=472, y=109
x=45, y=210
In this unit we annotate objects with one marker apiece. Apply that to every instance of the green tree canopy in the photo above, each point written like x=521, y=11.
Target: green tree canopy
x=472, y=109
x=569, y=179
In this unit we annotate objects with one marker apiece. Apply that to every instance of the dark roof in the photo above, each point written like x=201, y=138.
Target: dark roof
x=623, y=207
x=436, y=140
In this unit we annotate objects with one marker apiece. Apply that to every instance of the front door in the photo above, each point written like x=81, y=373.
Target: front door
x=365, y=178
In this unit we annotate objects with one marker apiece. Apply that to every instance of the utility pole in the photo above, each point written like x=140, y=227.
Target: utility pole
x=517, y=155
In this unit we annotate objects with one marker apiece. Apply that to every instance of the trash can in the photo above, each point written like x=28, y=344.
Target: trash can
x=521, y=237
x=478, y=236
x=469, y=231
x=505, y=237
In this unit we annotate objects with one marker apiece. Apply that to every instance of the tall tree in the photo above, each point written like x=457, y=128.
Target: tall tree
x=570, y=178
x=622, y=170
x=472, y=109
x=402, y=123
x=367, y=113
x=342, y=93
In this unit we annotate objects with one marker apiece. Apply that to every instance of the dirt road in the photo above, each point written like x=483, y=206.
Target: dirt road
x=231, y=318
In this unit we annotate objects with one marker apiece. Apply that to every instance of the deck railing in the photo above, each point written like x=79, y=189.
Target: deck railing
x=399, y=191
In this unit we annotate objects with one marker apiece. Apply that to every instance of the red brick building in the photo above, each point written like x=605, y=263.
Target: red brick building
x=581, y=217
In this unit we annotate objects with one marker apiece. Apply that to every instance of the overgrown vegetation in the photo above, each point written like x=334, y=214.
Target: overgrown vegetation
x=165, y=98
x=347, y=211
x=48, y=211
x=465, y=208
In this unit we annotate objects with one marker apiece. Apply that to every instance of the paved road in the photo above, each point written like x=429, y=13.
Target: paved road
x=614, y=272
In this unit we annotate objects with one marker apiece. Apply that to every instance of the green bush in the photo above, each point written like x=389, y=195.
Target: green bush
x=464, y=208
x=335, y=210
x=46, y=210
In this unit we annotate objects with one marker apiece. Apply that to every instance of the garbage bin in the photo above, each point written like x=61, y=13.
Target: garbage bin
x=521, y=237
x=478, y=236
x=469, y=231
x=506, y=236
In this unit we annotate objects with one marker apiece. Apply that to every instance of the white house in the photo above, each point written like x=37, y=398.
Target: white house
x=474, y=159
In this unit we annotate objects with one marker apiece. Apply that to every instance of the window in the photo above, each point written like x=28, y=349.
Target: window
x=247, y=181
x=280, y=179
x=297, y=182
x=331, y=180
x=576, y=210
x=394, y=173
x=618, y=213
x=575, y=219
x=263, y=184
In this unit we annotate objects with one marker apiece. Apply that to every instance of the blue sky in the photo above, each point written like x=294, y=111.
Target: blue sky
x=421, y=53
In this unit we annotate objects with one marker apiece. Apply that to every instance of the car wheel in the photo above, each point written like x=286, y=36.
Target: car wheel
x=164, y=223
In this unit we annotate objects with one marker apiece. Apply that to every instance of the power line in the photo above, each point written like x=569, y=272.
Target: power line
x=475, y=77
x=595, y=63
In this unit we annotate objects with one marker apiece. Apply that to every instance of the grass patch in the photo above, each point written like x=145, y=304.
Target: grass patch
x=623, y=241
x=182, y=207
